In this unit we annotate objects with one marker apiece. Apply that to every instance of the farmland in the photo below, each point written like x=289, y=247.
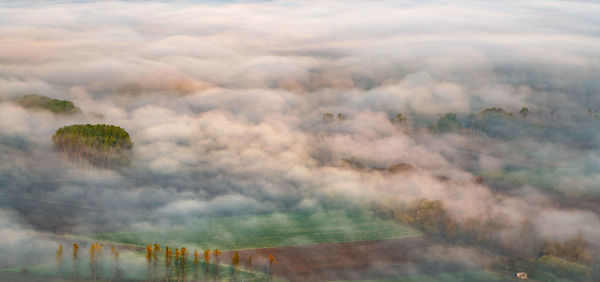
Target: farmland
x=272, y=230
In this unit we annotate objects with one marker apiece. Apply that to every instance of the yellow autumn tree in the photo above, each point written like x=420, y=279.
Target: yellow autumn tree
x=195, y=262
x=235, y=262
x=148, y=253
x=168, y=256
x=217, y=255
x=155, y=250
x=206, y=261
x=95, y=254
x=217, y=258
x=272, y=261
x=75, y=259
x=149, y=260
x=249, y=262
x=183, y=253
x=183, y=263
x=114, y=253
x=59, y=258
x=155, y=253
x=235, y=259
x=75, y=250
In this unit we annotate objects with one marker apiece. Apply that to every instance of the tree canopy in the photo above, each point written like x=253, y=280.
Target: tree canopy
x=97, y=143
x=42, y=102
x=399, y=119
x=495, y=111
x=448, y=123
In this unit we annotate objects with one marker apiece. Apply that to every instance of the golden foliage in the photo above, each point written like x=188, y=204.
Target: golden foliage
x=95, y=250
x=114, y=253
x=216, y=254
x=75, y=250
x=235, y=259
x=59, y=253
x=149, y=253
x=155, y=250
x=575, y=249
x=207, y=256
x=249, y=262
x=183, y=253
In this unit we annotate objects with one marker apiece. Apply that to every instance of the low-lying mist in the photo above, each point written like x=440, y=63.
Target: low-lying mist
x=225, y=104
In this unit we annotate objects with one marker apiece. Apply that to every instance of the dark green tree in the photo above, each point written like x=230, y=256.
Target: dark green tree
x=448, y=123
x=97, y=144
x=328, y=117
x=399, y=119
x=42, y=102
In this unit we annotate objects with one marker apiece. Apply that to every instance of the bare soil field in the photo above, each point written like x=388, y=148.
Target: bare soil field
x=377, y=259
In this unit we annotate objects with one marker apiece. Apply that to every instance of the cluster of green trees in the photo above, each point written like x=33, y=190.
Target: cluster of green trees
x=329, y=117
x=100, y=145
x=569, y=259
x=399, y=119
x=493, y=121
x=43, y=102
x=489, y=120
x=448, y=123
x=575, y=249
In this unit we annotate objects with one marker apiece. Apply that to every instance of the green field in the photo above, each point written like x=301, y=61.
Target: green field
x=560, y=180
x=272, y=230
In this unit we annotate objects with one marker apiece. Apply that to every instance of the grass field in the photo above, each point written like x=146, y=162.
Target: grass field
x=273, y=230
x=560, y=180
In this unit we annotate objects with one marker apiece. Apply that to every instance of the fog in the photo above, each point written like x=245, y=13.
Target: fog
x=224, y=102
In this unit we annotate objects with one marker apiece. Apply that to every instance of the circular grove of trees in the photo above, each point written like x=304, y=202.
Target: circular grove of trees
x=100, y=145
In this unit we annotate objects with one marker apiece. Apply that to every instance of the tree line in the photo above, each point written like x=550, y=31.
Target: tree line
x=166, y=264
x=492, y=121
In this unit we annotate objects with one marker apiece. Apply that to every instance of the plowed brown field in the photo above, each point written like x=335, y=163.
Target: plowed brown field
x=365, y=259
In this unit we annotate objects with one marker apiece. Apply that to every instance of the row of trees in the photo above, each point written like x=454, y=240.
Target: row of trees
x=170, y=260
x=494, y=121
x=449, y=122
x=98, y=145
x=95, y=261
x=329, y=117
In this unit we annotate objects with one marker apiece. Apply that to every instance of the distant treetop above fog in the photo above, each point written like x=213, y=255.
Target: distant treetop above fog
x=35, y=101
x=99, y=144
